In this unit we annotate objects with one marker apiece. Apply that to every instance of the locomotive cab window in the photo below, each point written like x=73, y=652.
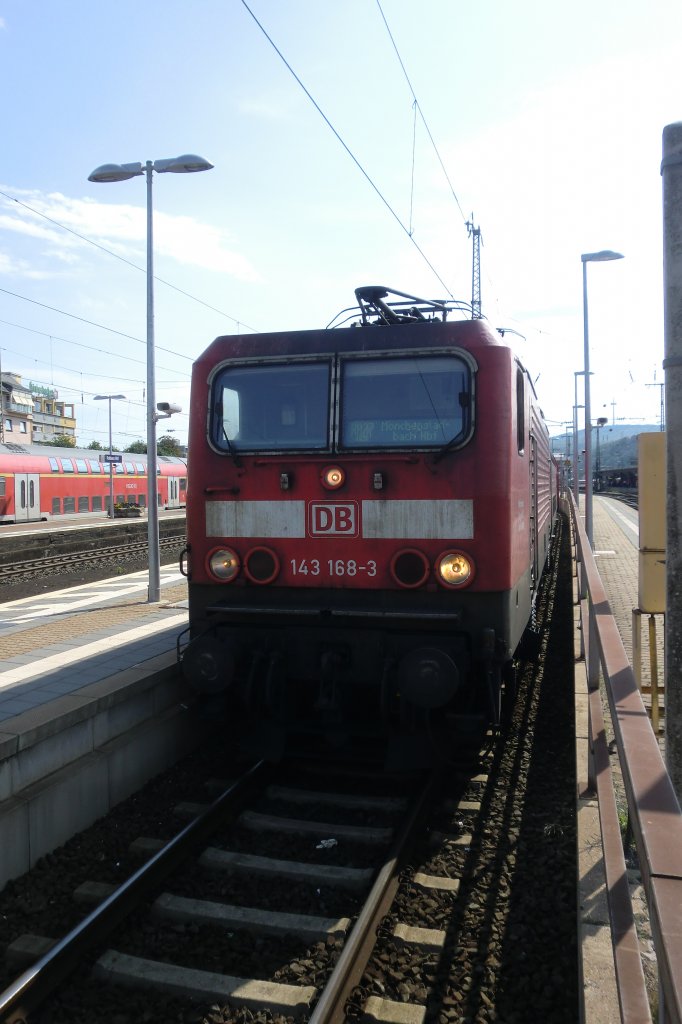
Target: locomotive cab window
x=271, y=407
x=416, y=402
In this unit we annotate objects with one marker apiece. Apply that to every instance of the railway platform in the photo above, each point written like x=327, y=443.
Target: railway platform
x=616, y=540
x=92, y=705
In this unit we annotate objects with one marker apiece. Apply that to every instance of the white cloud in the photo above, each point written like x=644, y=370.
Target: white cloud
x=122, y=228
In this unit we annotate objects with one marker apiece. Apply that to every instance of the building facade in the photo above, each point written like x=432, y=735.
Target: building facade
x=32, y=413
x=51, y=416
x=16, y=421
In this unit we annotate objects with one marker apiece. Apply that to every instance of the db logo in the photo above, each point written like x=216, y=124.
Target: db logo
x=333, y=519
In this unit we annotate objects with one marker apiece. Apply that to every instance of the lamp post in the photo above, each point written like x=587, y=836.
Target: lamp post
x=590, y=257
x=110, y=399
x=186, y=164
x=576, y=460
x=601, y=422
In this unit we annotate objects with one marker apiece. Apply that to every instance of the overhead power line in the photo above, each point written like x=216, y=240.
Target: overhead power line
x=418, y=108
x=347, y=149
x=90, y=323
x=123, y=259
x=90, y=348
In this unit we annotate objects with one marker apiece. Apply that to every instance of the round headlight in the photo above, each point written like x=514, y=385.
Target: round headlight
x=261, y=565
x=223, y=563
x=410, y=568
x=455, y=568
x=333, y=477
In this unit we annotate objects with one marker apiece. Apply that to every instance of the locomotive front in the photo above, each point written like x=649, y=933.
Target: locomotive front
x=351, y=514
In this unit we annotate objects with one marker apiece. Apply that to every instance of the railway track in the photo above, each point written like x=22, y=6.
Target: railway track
x=386, y=848
x=282, y=901
x=627, y=496
x=48, y=563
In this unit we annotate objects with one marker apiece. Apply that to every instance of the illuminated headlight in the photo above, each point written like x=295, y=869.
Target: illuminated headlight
x=224, y=564
x=333, y=477
x=455, y=569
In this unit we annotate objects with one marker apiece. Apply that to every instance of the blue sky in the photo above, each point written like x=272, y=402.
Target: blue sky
x=547, y=118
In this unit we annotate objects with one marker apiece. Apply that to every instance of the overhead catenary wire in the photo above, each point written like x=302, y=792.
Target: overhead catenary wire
x=93, y=348
x=135, y=266
x=418, y=108
x=90, y=323
x=347, y=149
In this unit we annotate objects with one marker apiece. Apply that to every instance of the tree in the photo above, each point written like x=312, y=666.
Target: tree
x=62, y=441
x=95, y=446
x=137, y=448
x=167, y=445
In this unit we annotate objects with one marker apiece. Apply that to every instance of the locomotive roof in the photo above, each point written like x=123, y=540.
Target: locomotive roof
x=467, y=334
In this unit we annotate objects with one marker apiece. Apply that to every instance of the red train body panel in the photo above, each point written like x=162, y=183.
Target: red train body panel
x=51, y=483
x=369, y=512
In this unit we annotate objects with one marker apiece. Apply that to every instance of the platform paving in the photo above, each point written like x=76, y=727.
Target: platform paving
x=616, y=549
x=63, y=641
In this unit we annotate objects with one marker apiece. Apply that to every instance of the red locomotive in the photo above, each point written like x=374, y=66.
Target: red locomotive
x=369, y=513
x=53, y=483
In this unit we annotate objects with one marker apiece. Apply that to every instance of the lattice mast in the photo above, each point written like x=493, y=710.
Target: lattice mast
x=475, y=235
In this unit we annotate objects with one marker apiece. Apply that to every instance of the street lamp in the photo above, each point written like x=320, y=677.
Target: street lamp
x=590, y=257
x=110, y=399
x=186, y=164
x=576, y=460
x=601, y=422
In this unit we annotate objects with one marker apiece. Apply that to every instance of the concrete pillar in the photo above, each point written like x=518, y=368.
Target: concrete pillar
x=671, y=171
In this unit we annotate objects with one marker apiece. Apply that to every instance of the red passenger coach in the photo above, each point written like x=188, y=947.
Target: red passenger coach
x=53, y=483
x=369, y=513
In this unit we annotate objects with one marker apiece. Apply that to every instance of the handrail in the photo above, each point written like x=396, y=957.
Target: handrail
x=653, y=808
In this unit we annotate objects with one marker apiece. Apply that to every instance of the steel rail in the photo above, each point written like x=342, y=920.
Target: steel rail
x=653, y=808
x=330, y=1008
x=33, y=987
x=77, y=557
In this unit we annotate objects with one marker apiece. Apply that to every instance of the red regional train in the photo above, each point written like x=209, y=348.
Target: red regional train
x=369, y=513
x=42, y=482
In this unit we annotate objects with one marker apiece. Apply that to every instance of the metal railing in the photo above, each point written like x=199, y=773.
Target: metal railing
x=653, y=809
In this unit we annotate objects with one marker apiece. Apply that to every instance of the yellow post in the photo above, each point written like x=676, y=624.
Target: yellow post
x=653, y=658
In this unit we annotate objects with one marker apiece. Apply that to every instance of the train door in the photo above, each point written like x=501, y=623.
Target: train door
x=173, y=492
x=26, y=497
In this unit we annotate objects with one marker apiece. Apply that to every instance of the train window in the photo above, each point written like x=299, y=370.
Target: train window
x=56, y=506
x=418, y=401
x=95, y=466
x=273, y=406
x=118, y=467
x=139, y=468
x=69, y=505
x=130, y=468
x=97, y=505
x=67, y=465
x=3, y=486
x=83, y=503
x=54, y=465
x=81, y=465
x=183, y=483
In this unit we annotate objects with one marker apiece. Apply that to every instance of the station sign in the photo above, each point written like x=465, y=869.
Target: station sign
x=113, y=458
